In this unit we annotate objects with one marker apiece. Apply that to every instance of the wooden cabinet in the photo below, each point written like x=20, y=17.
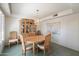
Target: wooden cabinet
x=27, y=25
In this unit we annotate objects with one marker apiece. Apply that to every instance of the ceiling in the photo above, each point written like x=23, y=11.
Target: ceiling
x=29, y=10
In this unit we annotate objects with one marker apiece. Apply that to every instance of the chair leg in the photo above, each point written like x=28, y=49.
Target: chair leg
x=44, y=51
x=24, y=53
x=33, y=49
x=9, y=45
x=17, y=42
x=37, y=49
x=50, y=50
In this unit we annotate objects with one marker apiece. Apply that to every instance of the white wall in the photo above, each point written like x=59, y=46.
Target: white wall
x=12, y=24
x=69, y=31
x=43, y=28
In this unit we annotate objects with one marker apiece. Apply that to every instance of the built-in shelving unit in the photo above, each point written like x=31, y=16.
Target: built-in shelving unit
x=27, y=25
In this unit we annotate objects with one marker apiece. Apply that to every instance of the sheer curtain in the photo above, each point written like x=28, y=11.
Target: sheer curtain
x=1, y=30
x=55, y=29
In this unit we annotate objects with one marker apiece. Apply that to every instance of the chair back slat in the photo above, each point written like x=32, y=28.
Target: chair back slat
x=13, y=35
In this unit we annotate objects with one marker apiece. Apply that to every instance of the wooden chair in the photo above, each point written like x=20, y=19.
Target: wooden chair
x=13, y=37
x=47, y=43
x=25, y=45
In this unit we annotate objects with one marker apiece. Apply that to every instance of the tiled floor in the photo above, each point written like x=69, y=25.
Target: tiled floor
x=57, y=50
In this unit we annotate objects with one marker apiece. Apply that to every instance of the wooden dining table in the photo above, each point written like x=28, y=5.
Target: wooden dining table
x=34, y=39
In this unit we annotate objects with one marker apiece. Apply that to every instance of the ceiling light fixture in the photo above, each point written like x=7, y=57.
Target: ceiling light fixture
x=37, y=15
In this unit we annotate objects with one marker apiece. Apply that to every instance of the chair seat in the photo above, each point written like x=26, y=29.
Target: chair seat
x=13, y=40
x=28, y=43
x=28, y=47
x=40, y=46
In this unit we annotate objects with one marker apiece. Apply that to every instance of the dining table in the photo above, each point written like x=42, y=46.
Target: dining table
x=34, y=39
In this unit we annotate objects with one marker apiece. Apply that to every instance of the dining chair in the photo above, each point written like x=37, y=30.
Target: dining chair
x=13, y=38
x=47, y=43
x=25, y=45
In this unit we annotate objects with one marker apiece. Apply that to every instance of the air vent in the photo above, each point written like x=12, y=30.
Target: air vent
x=63, y=13
x=55, y=15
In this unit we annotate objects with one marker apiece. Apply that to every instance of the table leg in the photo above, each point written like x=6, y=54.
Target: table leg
x=33, y=48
